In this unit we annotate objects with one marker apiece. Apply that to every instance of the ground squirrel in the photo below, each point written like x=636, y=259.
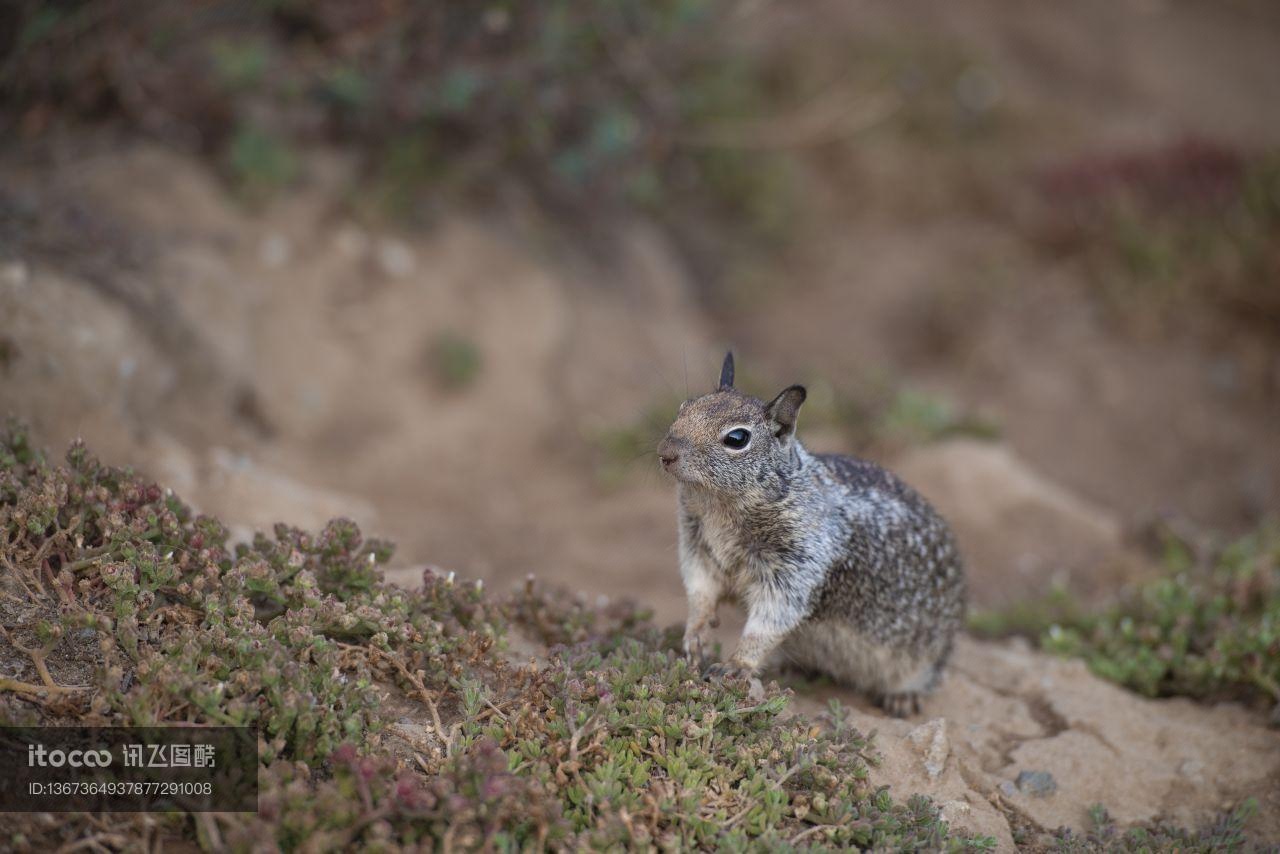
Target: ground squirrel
x=842, y=568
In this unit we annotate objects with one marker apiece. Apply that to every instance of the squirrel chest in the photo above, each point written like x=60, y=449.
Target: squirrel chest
x=741, y=548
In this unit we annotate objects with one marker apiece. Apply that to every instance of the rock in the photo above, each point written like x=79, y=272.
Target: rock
x=1017, y=530
x=955, y=812
x=1038, y=784
x=931, y=738
x=920, y=759
x=1012, y=724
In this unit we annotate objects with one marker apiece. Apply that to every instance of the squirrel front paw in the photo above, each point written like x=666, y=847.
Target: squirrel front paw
x=697, y=646
x=727, y=670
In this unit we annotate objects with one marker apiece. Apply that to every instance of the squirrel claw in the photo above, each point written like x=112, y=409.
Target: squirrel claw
x=725, y=670
x=695, y=650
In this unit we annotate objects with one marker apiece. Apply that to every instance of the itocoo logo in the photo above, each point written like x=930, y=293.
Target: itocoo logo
x=38, y=755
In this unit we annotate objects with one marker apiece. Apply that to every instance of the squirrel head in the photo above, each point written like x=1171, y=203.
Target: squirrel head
x=730, y=442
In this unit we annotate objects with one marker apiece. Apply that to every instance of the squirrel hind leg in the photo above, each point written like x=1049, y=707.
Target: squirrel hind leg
x=904, y=698
x=900, y=704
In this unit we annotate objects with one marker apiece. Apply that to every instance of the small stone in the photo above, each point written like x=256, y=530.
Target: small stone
x=1192, y=769
x=14, y=273
x=954, y=812
x=1038, y=784
x=394, y=258
x=931, y=737
x=275, y=251
x=1008, y=789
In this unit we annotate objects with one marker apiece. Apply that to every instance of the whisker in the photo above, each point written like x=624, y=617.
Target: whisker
x=684, y=358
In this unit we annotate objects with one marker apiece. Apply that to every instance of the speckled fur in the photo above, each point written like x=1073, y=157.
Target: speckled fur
x=842, y=568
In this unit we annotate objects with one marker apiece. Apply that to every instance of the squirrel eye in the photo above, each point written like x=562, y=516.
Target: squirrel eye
x=737, y=439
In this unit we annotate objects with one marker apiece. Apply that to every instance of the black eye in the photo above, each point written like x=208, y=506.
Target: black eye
x=737, y=438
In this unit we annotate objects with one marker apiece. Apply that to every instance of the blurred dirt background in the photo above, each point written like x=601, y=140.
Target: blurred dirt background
x=1028, y=254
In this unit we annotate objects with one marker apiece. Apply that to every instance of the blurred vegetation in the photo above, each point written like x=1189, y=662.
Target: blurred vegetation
x=455, y=360
x=596, y=105
x=911, y=417
x=1028, y=618
x=613, y=740
x=260, y=161
x=1186, y=230
x=1226, y=833
x=1208, y=628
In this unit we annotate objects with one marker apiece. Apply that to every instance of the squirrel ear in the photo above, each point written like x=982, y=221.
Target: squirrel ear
x=726, y=371
x=782, y=410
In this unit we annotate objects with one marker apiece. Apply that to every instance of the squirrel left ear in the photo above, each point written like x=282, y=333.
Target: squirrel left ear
x=782, y=410
x=726, y=371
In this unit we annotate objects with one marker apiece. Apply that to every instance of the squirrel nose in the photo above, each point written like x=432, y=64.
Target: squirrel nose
x=667, y=452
